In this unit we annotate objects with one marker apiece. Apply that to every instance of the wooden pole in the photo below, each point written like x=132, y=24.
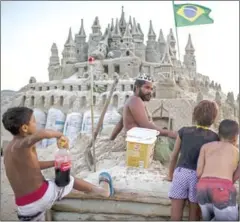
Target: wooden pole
x=88, y=155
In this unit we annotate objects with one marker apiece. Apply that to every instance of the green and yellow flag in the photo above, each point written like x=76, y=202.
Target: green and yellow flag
x=191, y=14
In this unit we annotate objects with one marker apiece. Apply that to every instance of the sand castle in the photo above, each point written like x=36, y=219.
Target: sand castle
x=122, y=52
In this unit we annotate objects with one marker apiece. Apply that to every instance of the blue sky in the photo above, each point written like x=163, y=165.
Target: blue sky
x=28, y=30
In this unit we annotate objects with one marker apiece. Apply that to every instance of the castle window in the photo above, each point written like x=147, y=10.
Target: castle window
x=126, y=97
x=127, y=53
x=123, y=87
x=131, y=86
x=48, y=87
x=85, y=68
x=116, y=68
x=79, y=88
x=55, y=87
x=40, y=88
x=115, y=100
x=105, y=69
x=88, y=87
x=77, y=51
x=86, y=76
x=33, y=88
x=63, y=87
x=94, y=100
x=71, y=88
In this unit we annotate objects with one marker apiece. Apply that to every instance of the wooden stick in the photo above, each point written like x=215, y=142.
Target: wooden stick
x=88, y=155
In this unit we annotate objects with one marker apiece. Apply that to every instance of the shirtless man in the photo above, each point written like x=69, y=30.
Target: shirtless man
x=216, y=169
x=33, y=194
x=134, y=111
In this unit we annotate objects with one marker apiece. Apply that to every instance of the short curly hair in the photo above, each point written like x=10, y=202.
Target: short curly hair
x=205, y=113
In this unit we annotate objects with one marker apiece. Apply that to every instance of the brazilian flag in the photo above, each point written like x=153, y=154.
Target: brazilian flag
x=191, y=14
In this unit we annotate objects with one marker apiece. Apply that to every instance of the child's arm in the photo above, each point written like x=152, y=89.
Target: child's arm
x=236, y=174
x=30, y=140
x=174, y=158
x=46, y=164
x=201, y=162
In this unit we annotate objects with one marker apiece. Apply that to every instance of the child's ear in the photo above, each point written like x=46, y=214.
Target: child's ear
x=24, y=128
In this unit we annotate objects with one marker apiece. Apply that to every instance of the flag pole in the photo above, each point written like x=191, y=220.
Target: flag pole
x=176, y=31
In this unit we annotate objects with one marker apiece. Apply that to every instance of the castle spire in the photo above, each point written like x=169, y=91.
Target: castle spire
x=130, y=22
x=166, y=60
x=189, y=46
x=135, y=31
x=70, y=38
x=122, y=22
x=116, y=32
x=161, y=38
x=112, y=25
x=82, y=31
x=127, y=37
x=172, y=38
x=96, y=28
x=151, y=33
x=140, y=31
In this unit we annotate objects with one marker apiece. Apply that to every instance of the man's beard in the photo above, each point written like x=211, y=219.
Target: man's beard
x=145, y=97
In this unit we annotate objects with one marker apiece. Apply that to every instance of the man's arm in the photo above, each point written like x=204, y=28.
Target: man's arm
x=139, y=114
x=201, y=162
x=117, y=129
x=30, y=140
x=174, y=158
x=46, y=164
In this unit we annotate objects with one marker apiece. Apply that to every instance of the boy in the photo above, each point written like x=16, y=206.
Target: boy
x=217, y=163
x=33, y=194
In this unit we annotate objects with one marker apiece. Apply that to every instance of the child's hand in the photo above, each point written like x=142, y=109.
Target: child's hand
x=63, y=142
x=168, y=178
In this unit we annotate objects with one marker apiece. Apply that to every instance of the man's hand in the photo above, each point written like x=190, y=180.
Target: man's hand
x=63, y=142
x=172, y=134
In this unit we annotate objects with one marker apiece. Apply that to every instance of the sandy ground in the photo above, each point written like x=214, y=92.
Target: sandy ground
x=8, y=209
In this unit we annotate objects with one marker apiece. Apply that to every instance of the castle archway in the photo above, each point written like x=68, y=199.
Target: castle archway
x=126, y=97
x=104, y=99
x=83, y=101
x=61, y=100
x=23, y=100
x=32, y=100
x=115, y=100
x=42, y=100
x=51, y=100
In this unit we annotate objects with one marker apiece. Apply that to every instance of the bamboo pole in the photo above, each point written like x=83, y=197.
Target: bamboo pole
x=88, y=155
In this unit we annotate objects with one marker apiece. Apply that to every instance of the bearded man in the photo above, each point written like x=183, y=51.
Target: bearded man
x=135, y=113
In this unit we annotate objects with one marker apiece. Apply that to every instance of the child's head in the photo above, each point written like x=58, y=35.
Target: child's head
x=228, y=131
x=205, y=113
x=19, y=121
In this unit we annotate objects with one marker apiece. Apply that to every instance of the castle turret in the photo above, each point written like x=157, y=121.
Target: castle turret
x=189, y=57
x=54, y=63
x=69, y=51
x=127, y=41
x=54, y=59
x=122, y=22
x=138, y=42
x=96, y=28
x=161, y=44
x=151, y=50
x=81, y=45
x=141, y=32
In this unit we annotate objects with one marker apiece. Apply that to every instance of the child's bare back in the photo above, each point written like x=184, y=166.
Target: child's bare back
x=22, y=168
x=221, y=159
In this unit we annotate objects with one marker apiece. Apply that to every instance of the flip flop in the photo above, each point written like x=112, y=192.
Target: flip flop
x=104, y=176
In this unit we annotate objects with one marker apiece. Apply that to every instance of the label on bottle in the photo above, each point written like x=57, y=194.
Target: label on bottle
x=63, y=166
